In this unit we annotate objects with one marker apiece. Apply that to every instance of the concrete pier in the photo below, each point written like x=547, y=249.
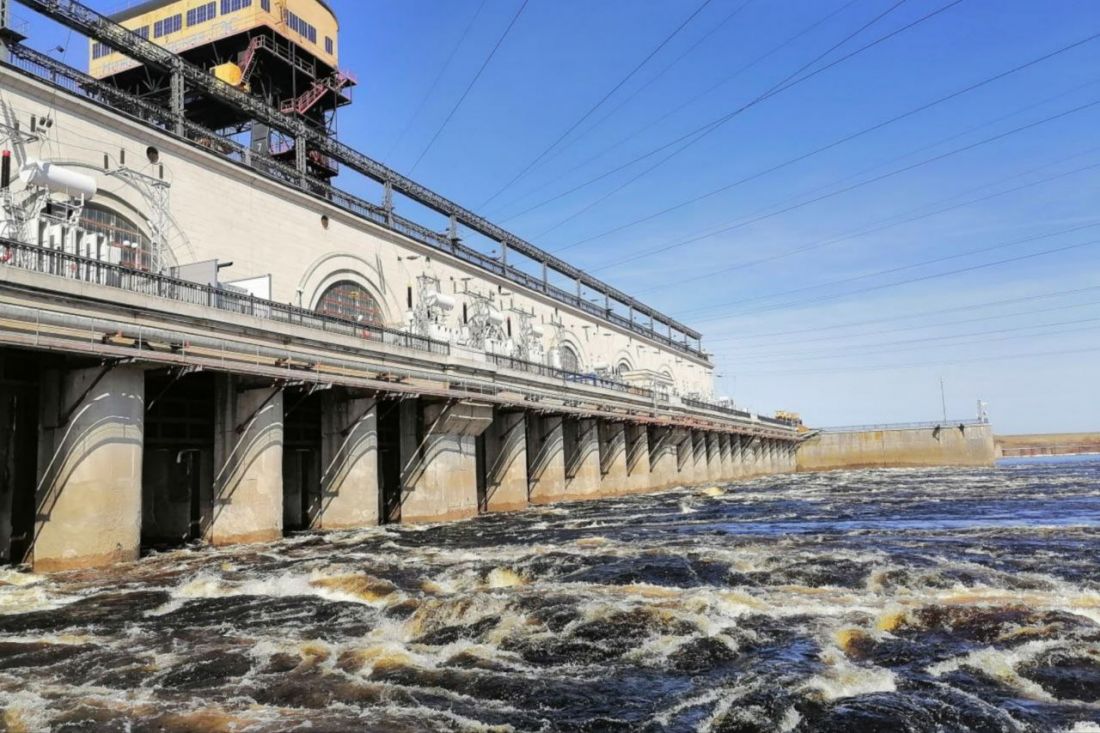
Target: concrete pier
x=248, y=460
x=613, y=471
x=349, y=456
x=545, y=458
x=638, y=475
x=505, y=479
x=664, y=456
x=583, y=478
x=440, y=478
x=89, y=467
x=714, y=458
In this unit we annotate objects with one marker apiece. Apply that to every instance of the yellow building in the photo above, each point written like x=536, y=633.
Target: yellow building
x=185, y=25
x=284, y=51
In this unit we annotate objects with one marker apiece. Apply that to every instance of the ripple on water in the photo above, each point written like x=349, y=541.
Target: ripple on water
x=907, y=600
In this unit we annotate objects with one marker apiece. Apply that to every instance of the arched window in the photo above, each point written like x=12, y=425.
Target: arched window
x=350, y=301
x=119, y=232
x=622, y=368
x=569, y=360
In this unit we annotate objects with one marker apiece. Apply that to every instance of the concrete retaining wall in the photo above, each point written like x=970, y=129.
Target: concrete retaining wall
x=959, y=445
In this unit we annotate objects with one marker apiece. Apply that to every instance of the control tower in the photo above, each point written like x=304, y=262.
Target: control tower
x=285, y=51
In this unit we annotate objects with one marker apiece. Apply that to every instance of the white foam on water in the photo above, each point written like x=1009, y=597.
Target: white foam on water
x=1001, y=664
x=841, y=678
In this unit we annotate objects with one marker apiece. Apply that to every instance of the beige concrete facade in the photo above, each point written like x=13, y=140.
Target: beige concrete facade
x=349, y=457
x=638, y=476
x=248, y=460
x=545, y=458
x=440, y=483
x=506, y=462
x=613, y=473
x=583, y=478
x=89, y=468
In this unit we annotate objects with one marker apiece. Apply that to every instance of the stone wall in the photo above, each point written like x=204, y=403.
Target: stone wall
x=947, y=445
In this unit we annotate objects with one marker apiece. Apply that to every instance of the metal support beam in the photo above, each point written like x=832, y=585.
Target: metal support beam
x=176, y=102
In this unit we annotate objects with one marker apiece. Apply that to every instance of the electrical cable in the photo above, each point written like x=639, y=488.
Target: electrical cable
x=908, y=282
x=700, y=133
x=435, y=82
x=847, y=189
x=598, y=104
x=899, y=268
x=835, y=143
x=907, y=316
x=469, y=86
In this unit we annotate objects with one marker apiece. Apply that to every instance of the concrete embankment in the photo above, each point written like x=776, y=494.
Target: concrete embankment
x=900, y=446
x=1048, y=444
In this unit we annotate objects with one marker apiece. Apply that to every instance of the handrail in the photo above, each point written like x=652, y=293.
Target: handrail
x=703, y=405
x=904, y=426
x=85, y=269
x=546, y=370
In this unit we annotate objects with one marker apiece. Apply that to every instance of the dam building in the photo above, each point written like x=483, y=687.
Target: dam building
x=203, y=338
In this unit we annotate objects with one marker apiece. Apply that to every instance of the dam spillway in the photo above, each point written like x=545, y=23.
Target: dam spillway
x=206, y=340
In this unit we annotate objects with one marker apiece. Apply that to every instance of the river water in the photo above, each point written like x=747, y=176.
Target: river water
x=861, y=601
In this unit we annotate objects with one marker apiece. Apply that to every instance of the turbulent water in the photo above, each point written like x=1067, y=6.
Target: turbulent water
x=878, y=601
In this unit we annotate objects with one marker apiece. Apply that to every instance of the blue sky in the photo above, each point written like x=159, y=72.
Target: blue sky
x=954, y=242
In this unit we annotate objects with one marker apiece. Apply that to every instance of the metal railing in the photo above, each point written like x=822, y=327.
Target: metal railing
x=928, y=425
x=703, y=405
x=74, y=81
x=544, y=370
x=85, y=269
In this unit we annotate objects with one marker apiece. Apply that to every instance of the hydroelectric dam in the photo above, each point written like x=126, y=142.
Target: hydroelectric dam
x=202, y=338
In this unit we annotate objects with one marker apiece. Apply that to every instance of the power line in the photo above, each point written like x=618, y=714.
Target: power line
x=876, y=349
x=741, y=350
x=887, y=222
x=722, y=82
x=922, y=314
x=899, y=268
x=648, y=83
x=923, y=278
x=847, y=189
x=469, y=86
x=598, y=104
x=891, y=367
x=835, y=143
x=698, y=134
x=435, y=82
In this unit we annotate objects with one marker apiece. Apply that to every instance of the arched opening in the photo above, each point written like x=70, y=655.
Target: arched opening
x=350, y=301
x=622, y=368
x=570, y=362
x=137, y=248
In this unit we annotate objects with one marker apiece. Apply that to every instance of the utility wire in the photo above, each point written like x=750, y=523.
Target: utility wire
x=847, y=189
x=891, y=367
x=469, y=86
x=648, y=83
x=598, y=104
x=907, y=316
x=876, y=349
x=699, y=134
x=887, y=222
x=836, y=143
x=923, y=278
x=899, y=268
x=435, y=82
x=722, y=82
x=741, y=350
